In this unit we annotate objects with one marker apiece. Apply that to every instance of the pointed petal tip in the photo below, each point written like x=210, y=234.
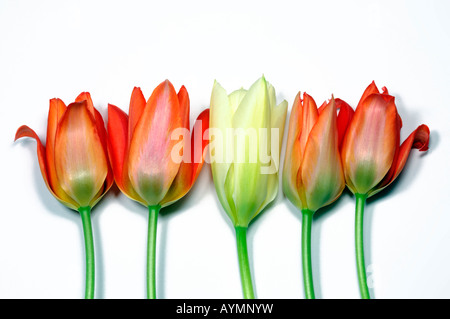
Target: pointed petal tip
x=55, y=99
x=137, y=89
x=182, y=90
x=83, y=96
x=112, y=107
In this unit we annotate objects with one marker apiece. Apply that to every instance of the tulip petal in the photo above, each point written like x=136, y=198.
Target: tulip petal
x=419, y=139
x=117, y=150
x=321, y=168
x=370, y=143
x=183, y=99
x=272, y=96
x=117, y=142
x=252, y=115
x=344, y=118
x=272, y=191
x=197, y=154
x=188, y=173
x=25, y=131
x=309, y=119
x=235, y=98
x=104, y=141
x=81, y=165
x=220, y=120
x=278, y=121
x=137, y=106
x=56, y=111
x=292, y=160
x=150, y=166
x=229, y=187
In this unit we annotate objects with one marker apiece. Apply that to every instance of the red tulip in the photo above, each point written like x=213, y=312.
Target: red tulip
x=74, y=162
x=141, y=146
x=372, y=155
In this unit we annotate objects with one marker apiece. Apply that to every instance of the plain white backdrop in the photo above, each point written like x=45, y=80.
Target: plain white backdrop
x=61, y=48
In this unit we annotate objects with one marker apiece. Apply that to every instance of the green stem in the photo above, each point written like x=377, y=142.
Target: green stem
x=151, y=251
x=359, y=242
x=307, y=217
x=244, y=267
x=85, y=213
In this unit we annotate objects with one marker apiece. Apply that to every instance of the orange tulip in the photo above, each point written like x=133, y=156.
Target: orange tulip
x=312, y=174
x=141, y=146
x=371, y=154
x=141, y=150
x=74, y=162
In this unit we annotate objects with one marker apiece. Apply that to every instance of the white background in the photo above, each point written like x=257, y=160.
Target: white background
x=61, y=48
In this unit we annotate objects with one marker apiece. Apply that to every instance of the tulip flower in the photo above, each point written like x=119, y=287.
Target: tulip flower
x=312, y=172
x=144, y=151
x=74, y=164
x=246, y=130
x=373, y=157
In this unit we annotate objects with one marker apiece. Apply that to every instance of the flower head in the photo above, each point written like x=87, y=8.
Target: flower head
x=74, y=162
x=371, y=154
x=246, y=130
x=312, y=173
x=142, y=144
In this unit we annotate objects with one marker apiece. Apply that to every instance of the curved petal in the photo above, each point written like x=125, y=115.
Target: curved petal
x=370, y=143
x=117, y=150
x=344, y=118
x=137, y=106
x=189, y=172
x=81, y=165
x=150, y=167
x=220, y=121
x=25, y=131
x=418, y=139
x=292, y=159
x=321, y=169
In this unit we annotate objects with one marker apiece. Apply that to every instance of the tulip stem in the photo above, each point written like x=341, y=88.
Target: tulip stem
x=151, y=251
x=85, y=213
x=359, y=243
x=307, y=216
x=244, y=267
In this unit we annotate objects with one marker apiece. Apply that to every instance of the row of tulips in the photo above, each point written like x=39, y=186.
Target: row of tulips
x=327, y=148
